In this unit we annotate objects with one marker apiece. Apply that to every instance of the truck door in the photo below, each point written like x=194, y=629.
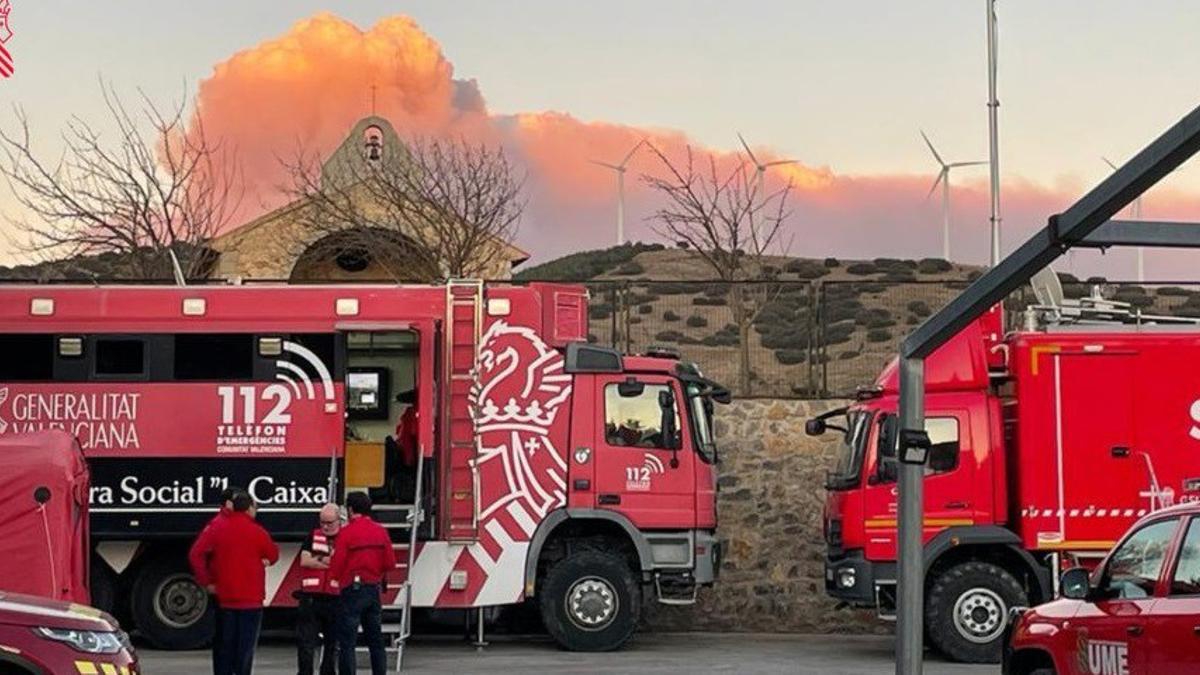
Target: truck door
x=643, y=470
x=949, y=479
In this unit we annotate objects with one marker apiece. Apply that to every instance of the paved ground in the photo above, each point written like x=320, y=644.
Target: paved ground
x=675, y=653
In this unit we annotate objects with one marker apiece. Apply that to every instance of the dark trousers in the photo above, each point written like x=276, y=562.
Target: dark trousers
x=360, y=604
x=233, y=650
x=316, y=626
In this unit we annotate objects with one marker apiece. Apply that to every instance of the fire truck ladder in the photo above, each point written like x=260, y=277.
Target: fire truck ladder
x=464, y=323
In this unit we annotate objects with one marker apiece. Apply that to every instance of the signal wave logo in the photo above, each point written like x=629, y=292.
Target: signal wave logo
x=638, y=477
x=255, y=419
x=6, y=59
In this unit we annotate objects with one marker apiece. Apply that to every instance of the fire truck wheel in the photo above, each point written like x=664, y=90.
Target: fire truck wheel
x=967, y=608
x=170, y=609
x=590, y=601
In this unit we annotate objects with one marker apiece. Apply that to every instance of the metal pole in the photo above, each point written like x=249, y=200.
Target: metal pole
x=620, y=206
x=910, y=598
x=946, y=217
x=993, y=132
x=1141, y=250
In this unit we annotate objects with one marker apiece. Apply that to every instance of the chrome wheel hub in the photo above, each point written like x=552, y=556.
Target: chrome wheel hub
x=592, y=603
x=979, y=615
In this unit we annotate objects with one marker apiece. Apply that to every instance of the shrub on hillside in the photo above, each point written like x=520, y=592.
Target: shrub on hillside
x=806, y=269
x=696, y=321
x=919, y=307
x=1174, y=291
x=790, y=357
x=832, y=262
x=846, y=356
x=879, y=335
x=585, y=264
x=645, y=309
x=672, y=336
x=670, y=316
x=630, y=269
x=703, y=301
x=862, y=269
x=933, y=266
x=600, y=310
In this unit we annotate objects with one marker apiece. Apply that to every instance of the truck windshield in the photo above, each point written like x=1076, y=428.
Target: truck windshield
x=848, y=465
x=702, y=426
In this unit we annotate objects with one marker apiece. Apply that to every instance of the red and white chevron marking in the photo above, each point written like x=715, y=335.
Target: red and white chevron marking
x=6, y=63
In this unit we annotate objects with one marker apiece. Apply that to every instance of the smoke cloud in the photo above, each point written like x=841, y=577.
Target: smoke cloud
x=307, y=88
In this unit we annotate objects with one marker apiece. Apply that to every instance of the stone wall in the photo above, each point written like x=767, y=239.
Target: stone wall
x=769, y=508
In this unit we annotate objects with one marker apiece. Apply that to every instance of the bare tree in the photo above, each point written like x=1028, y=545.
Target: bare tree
x=437, y=209
x=731, y=222
x=150, y=188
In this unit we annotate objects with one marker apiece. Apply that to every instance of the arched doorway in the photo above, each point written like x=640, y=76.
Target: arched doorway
x=359, y=254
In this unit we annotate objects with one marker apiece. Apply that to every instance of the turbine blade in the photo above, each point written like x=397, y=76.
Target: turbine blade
x=605, y=164
x=957, y=164
x=1110, y=164
x=937, y=181
x=635, y=149
x=781, y=161
x=931, y=149
x=748, y=151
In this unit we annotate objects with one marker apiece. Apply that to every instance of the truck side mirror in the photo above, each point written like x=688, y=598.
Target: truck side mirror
x=666, y=403
x=814, y=427
x=1076, y=584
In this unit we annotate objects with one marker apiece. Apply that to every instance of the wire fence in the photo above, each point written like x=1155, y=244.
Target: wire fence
x=807, y=339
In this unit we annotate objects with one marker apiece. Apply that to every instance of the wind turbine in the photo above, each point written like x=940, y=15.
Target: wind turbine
x=1135, y=210
x=760, y=173
x=620, y=169
x=943, y=177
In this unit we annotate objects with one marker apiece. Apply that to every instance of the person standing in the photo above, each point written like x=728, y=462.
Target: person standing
x=360, y=564
x=238, y=551
x=223, y=511
x=316, y=620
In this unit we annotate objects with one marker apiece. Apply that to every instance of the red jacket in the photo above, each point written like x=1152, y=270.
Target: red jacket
x=406, y=436
x=363, y=553
x=222, y=514
x=230, y=552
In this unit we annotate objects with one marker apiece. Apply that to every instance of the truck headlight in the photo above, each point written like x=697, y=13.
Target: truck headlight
x=846, y=577
x=89, y=641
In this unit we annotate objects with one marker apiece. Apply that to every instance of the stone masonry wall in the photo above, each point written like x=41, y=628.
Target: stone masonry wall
x=770, y=504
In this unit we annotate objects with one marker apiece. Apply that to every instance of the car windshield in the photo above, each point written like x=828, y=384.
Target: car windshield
x=849, y=457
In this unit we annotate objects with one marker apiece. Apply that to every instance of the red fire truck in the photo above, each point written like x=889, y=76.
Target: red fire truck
x=1047, y=443
x=545, y=468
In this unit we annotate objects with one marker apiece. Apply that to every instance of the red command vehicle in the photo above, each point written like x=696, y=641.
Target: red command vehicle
x=1048, y=442
x=40, y=636
x=1137, y=612
x=545, y=468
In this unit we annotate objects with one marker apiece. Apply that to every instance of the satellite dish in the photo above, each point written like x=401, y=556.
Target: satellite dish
x=1047, y=288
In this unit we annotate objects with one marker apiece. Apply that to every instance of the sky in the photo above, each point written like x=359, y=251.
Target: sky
x=842, y=87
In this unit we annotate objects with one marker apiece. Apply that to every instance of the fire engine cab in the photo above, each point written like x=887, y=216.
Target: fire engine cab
x=1046, y=444
x=510, y=459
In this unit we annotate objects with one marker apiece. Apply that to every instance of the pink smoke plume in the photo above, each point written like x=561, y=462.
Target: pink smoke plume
x=308, y=87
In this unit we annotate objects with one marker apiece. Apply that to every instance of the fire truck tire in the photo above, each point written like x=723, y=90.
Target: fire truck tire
x=590, y=601
x=967, y=608
x=170, y=610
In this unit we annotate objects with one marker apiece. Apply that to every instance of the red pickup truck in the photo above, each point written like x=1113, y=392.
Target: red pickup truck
x=1137, y=612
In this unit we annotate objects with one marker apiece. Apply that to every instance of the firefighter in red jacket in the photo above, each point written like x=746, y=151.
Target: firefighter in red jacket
x=223, y=512
x=229, y=558
x=316, y=620
x=361, y=561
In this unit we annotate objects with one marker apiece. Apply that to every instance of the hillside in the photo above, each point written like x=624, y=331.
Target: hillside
x=810, y=338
